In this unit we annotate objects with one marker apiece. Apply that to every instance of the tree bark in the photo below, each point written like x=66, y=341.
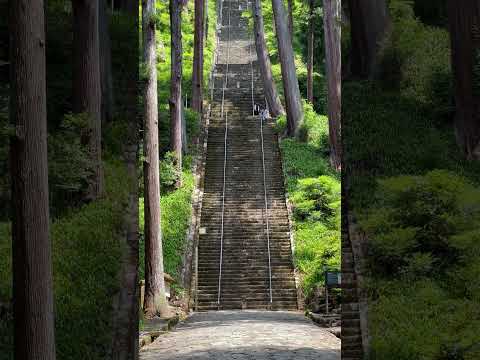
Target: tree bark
x=175, y=101
x=155, y=300
x=126, y=317
x=311, y=42
x=293, y=102
x=197, y=77
x=464, y=23
x=332, y=30
x=369, y=22
x=106, y=62
x=269, y=87
x=87, y=85
x=290, y=18
x=32, y=260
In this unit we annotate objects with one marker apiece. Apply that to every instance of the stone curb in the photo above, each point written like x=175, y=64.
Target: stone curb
x=151, y=336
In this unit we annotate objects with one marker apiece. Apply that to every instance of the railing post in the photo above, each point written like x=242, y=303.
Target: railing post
x=225, y=84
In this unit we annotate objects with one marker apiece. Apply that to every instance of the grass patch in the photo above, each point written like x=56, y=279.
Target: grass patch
x=176, y=209
x=314, y=191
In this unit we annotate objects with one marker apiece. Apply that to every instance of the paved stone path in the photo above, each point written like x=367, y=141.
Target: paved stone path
x=242, y=335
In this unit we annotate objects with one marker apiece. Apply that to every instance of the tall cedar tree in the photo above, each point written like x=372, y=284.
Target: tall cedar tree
x=270, y=89
x=155, y=300
x=175, y=102
x=32, y=260
x=105, y=61
x=369, y=24
x=126, y=317
x=291, y=89
x=464, y=23
x=87, y=93
x=197, y=76
x=311, y=44
x=332, y=29
x=290, y=17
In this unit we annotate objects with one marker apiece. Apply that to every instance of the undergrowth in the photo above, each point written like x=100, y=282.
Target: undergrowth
x=86, y=247
x=415, y=196
x=313, y=189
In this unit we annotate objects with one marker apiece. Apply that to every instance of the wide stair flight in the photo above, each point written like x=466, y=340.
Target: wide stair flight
x=244, y=252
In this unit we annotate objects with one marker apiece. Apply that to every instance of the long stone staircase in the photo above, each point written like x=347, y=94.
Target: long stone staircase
x=234, y=186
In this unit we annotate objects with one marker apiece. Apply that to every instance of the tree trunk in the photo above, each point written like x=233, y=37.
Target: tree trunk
x=293, y=102
x=176, y=85
x=270, y=89
x=311, y=42
x=32, y=260
x=369, y=22
x=155, y=300
x=197, y=78
x=105, y=62
x=290, y=18
x=87, y=85
x=125, y=339
x=332, y=30
x=464, y=22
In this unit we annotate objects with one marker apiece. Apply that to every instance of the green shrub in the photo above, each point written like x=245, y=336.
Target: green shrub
x=169, y=174
x=69, y=165
x=317, y=199
x=421, y=225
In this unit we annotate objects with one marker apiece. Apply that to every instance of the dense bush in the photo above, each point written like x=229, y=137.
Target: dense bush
x=422, y=225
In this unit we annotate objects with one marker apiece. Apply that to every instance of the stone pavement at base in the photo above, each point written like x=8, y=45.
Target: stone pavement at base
x=242, y=335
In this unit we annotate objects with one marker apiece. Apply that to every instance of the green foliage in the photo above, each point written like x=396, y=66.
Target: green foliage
x=314, y=192
x=420, y=320
x=175, y=211
x=387, y=135
x=301, y=14
x=416, y=60
x=169, y=174
x=164, y=50
x=422, y=225
x=318, y=199
x=86, y=249
x=69, y=165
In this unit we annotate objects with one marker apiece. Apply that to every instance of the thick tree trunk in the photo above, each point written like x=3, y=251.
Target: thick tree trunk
x=270, y=89
x=32, y=260
x=105, y=62
x=87, y=85
x=155, y=300
x=125, y=339
x=175, y=101
x=464, y=22
x=369, y=22
x=332, y=30
x=293, y=102
x=311, y=42
x=290, y=17
x=197, y=78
